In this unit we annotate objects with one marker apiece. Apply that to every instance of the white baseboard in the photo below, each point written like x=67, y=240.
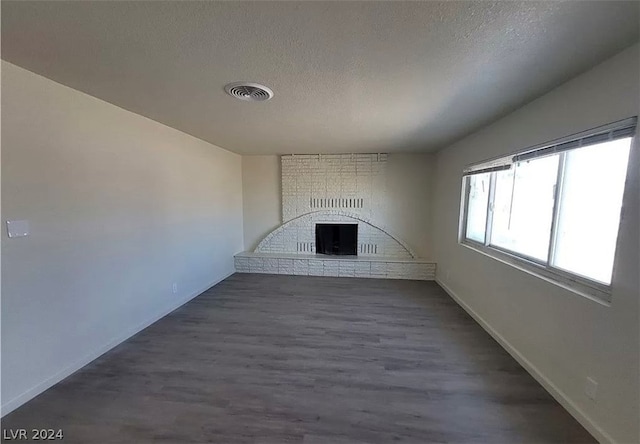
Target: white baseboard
x=77, y=365
x=566, y=402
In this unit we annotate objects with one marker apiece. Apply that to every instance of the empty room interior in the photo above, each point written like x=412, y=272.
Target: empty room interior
x=320, y=222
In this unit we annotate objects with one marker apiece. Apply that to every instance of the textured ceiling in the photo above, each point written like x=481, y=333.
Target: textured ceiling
x=347, y=76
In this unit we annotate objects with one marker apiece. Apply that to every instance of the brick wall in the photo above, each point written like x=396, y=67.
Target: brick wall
x=334, y=188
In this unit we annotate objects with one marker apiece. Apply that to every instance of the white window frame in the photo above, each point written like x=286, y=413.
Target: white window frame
x=576, y=283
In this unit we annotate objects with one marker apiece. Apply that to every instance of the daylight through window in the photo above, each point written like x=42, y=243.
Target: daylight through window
x=557, y=207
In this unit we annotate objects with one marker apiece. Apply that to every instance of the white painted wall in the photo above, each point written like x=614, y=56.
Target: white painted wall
x=120, y=207
x=562, y=336
x=410, y=206
x=406, y=213
x=261, y=198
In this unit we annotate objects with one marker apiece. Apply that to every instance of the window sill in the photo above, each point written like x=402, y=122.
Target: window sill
x=598, y=295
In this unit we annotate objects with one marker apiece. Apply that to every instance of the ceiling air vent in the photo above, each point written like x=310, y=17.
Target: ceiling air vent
x=250, y=92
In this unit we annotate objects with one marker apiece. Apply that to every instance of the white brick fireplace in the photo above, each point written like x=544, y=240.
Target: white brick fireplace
x=338, y=188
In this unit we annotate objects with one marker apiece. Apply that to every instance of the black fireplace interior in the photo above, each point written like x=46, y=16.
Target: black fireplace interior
x=337, y=239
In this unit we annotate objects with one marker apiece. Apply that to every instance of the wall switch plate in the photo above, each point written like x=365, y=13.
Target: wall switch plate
x=174, y=288
x=17, y=228
x=591, y=388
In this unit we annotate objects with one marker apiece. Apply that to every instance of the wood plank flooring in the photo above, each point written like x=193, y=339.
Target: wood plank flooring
x=312, y=360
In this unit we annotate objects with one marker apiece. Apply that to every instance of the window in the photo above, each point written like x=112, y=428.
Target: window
x=477, y=209
x=523, y=207
x=589, y=209
x=553, y=209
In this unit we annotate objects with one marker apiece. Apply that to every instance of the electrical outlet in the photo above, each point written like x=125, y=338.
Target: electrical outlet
x=591, y=388
x=174, y=288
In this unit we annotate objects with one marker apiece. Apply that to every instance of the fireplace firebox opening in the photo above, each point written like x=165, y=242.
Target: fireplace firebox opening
x=337, y=239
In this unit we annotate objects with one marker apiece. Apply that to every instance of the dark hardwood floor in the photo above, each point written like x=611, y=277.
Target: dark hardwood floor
x=291, y=359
